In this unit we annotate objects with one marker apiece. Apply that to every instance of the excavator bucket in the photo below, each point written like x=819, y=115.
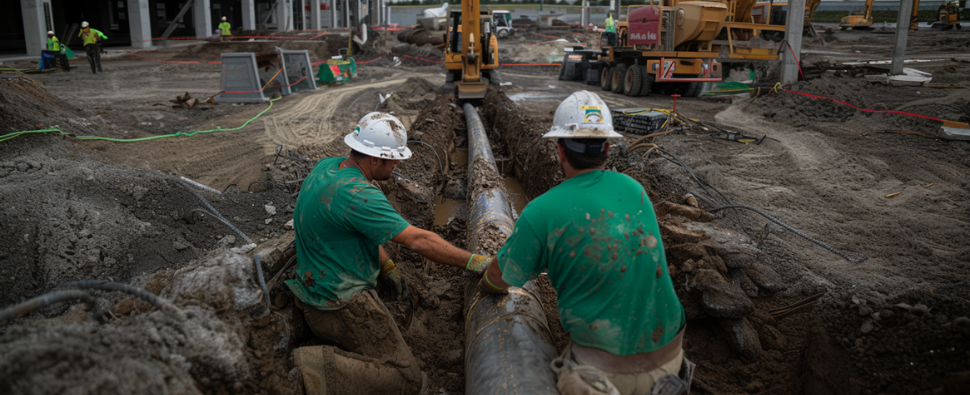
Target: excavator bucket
x=469, y=91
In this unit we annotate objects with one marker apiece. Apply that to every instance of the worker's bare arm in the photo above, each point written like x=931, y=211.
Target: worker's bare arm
x=433, y=247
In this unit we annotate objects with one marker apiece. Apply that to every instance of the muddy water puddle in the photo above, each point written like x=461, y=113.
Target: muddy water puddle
x=448, y=209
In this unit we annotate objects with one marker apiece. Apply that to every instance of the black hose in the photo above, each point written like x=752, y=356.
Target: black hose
x=57, y=296
x=295, y=156
x=262, y=281
x=440, y=166
x=851, y=257
x=220, y=217
x=139, y=293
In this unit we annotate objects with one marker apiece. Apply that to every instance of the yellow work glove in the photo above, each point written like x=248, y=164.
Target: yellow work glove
x=391, y=279
x=478, y=263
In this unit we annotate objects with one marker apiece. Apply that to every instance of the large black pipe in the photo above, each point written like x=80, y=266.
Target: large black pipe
x=508, y=345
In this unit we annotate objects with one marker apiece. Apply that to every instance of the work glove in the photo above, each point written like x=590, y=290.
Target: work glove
x=478, y=263
x=393, y=281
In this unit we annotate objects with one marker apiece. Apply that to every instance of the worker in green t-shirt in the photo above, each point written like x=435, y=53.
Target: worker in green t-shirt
x=340, y=221
x=224, y=29
x=597, y=236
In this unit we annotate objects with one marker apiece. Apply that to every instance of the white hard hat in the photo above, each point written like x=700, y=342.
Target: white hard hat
x=380, y=135
x=50, y=32
x=223, y=18
x=84, y=24
x=583, y=115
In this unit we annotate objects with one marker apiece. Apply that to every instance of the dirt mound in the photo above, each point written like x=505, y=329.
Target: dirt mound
x=543, y=52
x=414, y=95
x=219, y=348
x=26, y=105
x=67, y=219
x=801, y=110
x=904, y=343
x=414, y=55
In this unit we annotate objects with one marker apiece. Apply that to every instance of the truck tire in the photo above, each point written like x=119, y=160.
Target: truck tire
x=694, y=88
x=605, y=78
x=502, y=33
x=616, y=78
x=633, y=80
x=647, y=82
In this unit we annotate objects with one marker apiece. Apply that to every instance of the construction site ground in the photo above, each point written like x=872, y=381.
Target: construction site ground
x=883, y=185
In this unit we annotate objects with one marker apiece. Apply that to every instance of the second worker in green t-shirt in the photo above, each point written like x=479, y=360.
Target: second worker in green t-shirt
x=597, y=236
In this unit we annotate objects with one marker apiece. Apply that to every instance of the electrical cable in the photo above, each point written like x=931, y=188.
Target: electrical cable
x=259, y=266
x=262, y=282
x=58, y=296
x=440, y=166
x=217, y=215
x=137, y=292
x=55, y=128
x=851, y=257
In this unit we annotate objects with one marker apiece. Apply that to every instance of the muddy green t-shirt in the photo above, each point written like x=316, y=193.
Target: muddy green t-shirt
x=340, y=220
x=597, y=236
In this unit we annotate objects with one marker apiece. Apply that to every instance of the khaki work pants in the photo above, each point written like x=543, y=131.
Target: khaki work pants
x=640, y=383
x=370, y=356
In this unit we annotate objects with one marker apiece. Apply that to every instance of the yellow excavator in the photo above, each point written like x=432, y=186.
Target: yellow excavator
x=859, y=19
x=471, y=53
x=947, y=17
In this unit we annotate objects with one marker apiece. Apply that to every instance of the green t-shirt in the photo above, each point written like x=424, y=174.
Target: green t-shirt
x=225, y=26
x=597, y=236
x=340, y=220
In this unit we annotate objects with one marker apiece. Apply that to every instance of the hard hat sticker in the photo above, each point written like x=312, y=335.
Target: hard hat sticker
x=357, y=132
x=592, y=114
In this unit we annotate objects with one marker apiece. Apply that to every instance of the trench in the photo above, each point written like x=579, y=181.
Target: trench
x=528, y=167
x=446, y=210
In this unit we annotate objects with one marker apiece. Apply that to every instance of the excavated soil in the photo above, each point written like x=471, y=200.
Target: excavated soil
x=896, y=323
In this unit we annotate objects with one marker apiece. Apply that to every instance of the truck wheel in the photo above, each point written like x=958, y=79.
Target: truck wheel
x=616, y=78
x=633, y=80
x=605, y=78
x=494, y=78
x=502, y=33
x=694, y=88
x=645, y=87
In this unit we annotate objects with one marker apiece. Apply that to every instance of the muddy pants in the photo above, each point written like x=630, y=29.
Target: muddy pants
x=584, y=371
x=94, y=57
x=370, y=356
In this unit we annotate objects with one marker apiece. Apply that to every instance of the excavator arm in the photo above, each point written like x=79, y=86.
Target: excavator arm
x=914, y=18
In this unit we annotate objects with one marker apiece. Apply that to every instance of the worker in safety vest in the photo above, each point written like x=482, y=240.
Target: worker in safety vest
x=610, y=30
x=92, y=45
x=56, y=51
x=597, y=236
x=224, y=29
x=341, y=220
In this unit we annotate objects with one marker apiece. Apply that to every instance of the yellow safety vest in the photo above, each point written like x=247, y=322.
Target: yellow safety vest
x=53, y=44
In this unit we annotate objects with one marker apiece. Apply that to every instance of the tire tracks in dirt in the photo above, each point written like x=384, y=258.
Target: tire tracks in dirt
x=315, y=118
